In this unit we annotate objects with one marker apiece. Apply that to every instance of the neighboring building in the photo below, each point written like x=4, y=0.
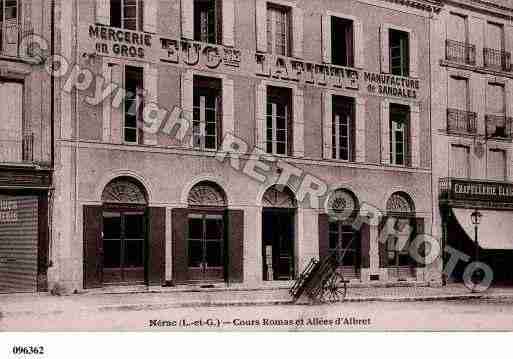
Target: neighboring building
x=472, y=133
x=25, y=149
x=339, y=90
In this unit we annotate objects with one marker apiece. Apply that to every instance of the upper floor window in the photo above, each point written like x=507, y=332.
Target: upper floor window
x=279, y=120
x=343, y=128
x=460, y=161
x=496, y=164
x=126, y=14
x=342, y=48
x=134, y=87
x=399, y=52
x=207, y=113
x=14, y=146
x=8, y=10
x=399, y=134
x=278, y=30
x=207, y=21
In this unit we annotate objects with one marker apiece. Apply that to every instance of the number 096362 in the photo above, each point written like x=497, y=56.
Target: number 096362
x=28, y=350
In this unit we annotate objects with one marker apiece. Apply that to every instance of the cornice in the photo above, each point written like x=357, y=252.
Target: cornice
x=484, y=6
x=426, y=5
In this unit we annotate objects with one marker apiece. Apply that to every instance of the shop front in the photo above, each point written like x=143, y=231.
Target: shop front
x=478, y=221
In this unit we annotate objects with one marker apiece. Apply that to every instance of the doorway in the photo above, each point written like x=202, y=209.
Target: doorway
x=124, y=249
x=205, y=247
x=278, y=229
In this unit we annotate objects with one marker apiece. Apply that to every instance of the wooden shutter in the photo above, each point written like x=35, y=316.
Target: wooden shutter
x=93, y=247
x=297, y=29
x=188, y=99
x=156, y=259
x=382, y=244
x=228, y=19
x=414, y=57
x=235, y=250
x=151, y=8
x=365, y=245
x=103, y=12
x=180, y=223
x=187, y=13
x=43, y=244
x=385, y=50
x=228, y=107
x=324, y=227
x=419, y=229
x=327, y=115
x=385, y=132
x=261, y=112
x=298, y=127
x=261, y=25
x=150, y=79
x=326, y=39
x=359, y=45
x=117, y=108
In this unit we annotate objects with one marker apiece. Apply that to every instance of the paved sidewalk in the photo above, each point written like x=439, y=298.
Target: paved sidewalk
x=46, y=304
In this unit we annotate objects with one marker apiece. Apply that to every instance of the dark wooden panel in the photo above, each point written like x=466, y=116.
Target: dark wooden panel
x=93, y=246
x=156, y=245
x=179, y=225
x=323, y=235
x=235, y=246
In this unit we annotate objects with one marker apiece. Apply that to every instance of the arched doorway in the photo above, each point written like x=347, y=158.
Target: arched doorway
x=124, y=247
x=206, y=245
x=344, y=240
x=278, y=233
x=399, y=229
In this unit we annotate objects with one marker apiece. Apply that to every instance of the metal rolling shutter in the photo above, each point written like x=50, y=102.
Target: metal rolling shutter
x=18, y=244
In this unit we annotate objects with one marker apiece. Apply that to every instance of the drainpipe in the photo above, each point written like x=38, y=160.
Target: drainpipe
x=52, y=89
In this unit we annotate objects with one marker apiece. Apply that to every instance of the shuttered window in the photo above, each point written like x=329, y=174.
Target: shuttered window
x=494, y=36
x=207, y=22
x=457, y=28
x=207, y=107
x=134, y=87
x=126, y=14
x=342, y=44
x=399, y=134
x=495, y=99
x=343, y=128
x=278, y=30
x=458, y=90
x=399, y=52
x=278, y=121
x=460, y=165
x=496, y=165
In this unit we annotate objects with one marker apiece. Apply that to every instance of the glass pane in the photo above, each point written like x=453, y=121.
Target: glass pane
x=130, y=135
x=195, y=253
x=134, y=226
x=210, y=142
x=281, y=149
x=111, y=254
x=112, y=227
x=195, y=228
x=214, y=229
x=134, y=253
x=333, y=240
x=214, y=254
x=130, y=24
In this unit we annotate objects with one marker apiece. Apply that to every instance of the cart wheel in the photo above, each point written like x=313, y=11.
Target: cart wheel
x=336, y=289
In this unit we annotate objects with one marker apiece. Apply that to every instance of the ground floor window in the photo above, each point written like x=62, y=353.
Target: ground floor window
x=344, y=244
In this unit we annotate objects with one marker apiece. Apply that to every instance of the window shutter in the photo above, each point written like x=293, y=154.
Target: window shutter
x=365, y=245
x=107, y=104
x=235, y=252
x=385, y=50
x=103, y=12
x=419, y=229
x=93, y=247
x=415, y=136
x=187, y=19
x=324, y=228
x=298, y=131
x=261, y=25
x=228, y=19
x=117, y=113
x=327, y=125
x=151, y=8
x=382, y=245
x=360, y=129
x=508, y=38
x=260, y=114
x=228, y=108
x=359, y=45
x=188, y=98
x=151, y=90
x=156, y=245
x=385, y=133
x=414, y=56
x=180, y=223
x=326, y=39
x=297, y=32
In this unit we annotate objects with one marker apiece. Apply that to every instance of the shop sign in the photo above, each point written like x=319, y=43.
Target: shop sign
x=8, y=211
x=498, y=192
x=109, y=41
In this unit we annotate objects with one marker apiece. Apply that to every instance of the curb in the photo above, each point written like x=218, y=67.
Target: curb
x=192, y=304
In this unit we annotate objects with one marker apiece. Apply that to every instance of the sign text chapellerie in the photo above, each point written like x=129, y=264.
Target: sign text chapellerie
x=119, y=42
x=8, y=211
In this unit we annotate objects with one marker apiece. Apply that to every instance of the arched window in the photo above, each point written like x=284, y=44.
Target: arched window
x=124, y=190
x=207, y=194
x=400, y=203
x=276, y=197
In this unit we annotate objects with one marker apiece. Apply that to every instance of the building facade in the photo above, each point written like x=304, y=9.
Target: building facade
x=207, y=141
x=25, y=149
x=472, y=110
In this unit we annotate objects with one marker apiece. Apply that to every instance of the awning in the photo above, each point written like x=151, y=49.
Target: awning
x=495, y=229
